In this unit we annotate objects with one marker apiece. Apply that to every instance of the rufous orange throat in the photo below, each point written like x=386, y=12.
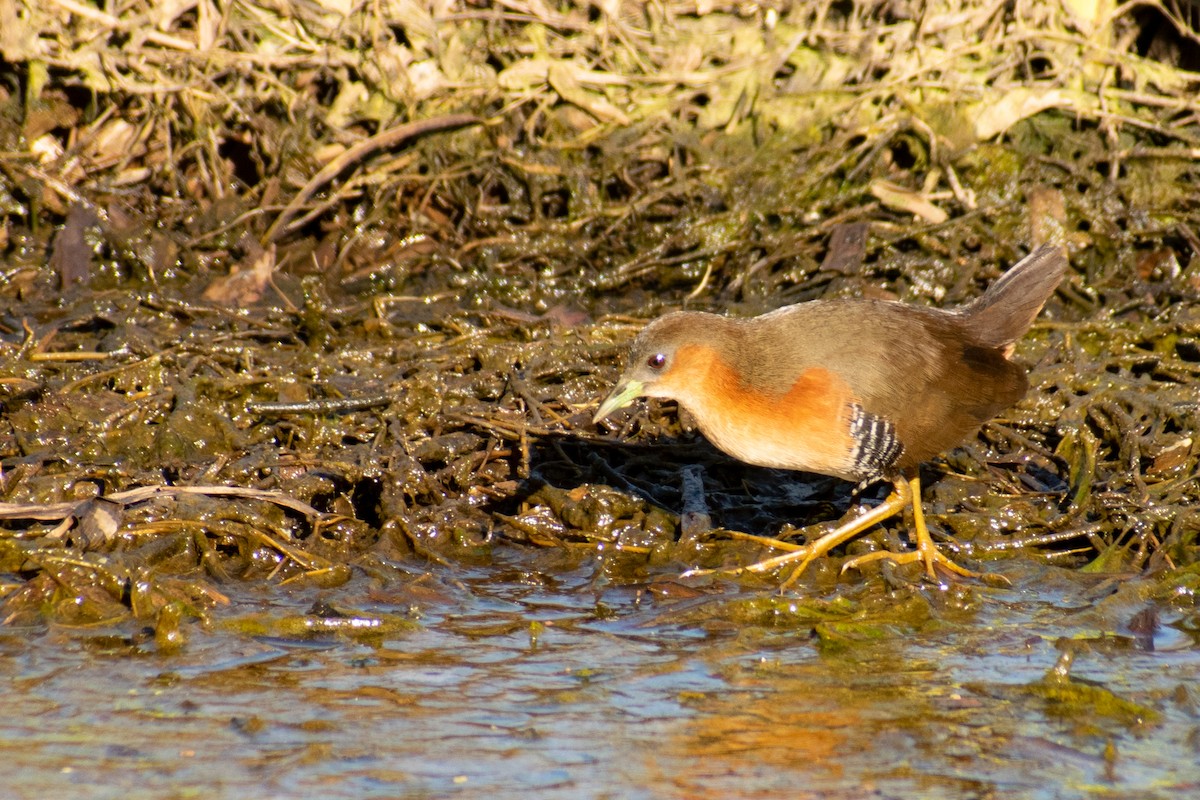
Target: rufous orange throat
x=863, y=390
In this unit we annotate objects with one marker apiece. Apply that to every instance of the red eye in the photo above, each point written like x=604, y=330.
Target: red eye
x=656, y=361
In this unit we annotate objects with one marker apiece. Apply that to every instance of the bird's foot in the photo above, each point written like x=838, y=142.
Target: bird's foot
x=765, y=541
x=802, y=553
x=805, y=554
x=930, y=556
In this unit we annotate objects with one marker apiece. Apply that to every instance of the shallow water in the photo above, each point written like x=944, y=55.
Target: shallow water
x=513, y=683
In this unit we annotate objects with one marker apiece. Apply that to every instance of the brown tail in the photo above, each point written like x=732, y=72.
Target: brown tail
x=1006, y=310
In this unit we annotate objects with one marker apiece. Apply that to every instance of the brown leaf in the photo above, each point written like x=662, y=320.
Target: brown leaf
x=898, y=198
x=246, y=283
x=97, y=522
x=72, y=258
x=847, y=248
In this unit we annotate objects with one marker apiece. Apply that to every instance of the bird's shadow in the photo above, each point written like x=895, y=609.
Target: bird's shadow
x=735, y=496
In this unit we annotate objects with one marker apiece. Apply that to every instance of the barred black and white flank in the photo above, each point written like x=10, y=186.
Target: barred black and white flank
x=876, y=447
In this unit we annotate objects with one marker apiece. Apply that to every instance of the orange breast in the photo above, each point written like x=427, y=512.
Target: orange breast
x=804, y=425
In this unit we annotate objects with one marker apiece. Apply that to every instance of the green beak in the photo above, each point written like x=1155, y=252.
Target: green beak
x=624, y=394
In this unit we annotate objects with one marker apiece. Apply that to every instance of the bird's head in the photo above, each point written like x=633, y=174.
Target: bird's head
x=662, y=361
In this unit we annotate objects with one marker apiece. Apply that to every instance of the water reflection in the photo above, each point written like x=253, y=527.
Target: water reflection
x=501, y=685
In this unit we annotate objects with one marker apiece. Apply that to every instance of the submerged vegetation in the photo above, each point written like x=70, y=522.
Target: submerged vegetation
x=295, y=298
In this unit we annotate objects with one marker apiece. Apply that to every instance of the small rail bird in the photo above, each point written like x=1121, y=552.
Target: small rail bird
x=863, y=390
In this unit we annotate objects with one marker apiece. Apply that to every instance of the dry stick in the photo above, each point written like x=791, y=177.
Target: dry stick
x=333, y=406
x=71, y=355
x=113, y=23
x=695, y=519
x=51, y=511
x=380, y=141
x=512, y=432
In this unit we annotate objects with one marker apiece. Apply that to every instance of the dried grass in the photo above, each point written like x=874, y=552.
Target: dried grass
x=192, y=99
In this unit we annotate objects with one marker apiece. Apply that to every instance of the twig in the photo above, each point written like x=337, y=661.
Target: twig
x=360, y=151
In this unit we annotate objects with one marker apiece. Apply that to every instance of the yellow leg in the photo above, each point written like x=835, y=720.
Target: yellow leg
x=893, y=505
x=905, y=492
x=926, y=552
